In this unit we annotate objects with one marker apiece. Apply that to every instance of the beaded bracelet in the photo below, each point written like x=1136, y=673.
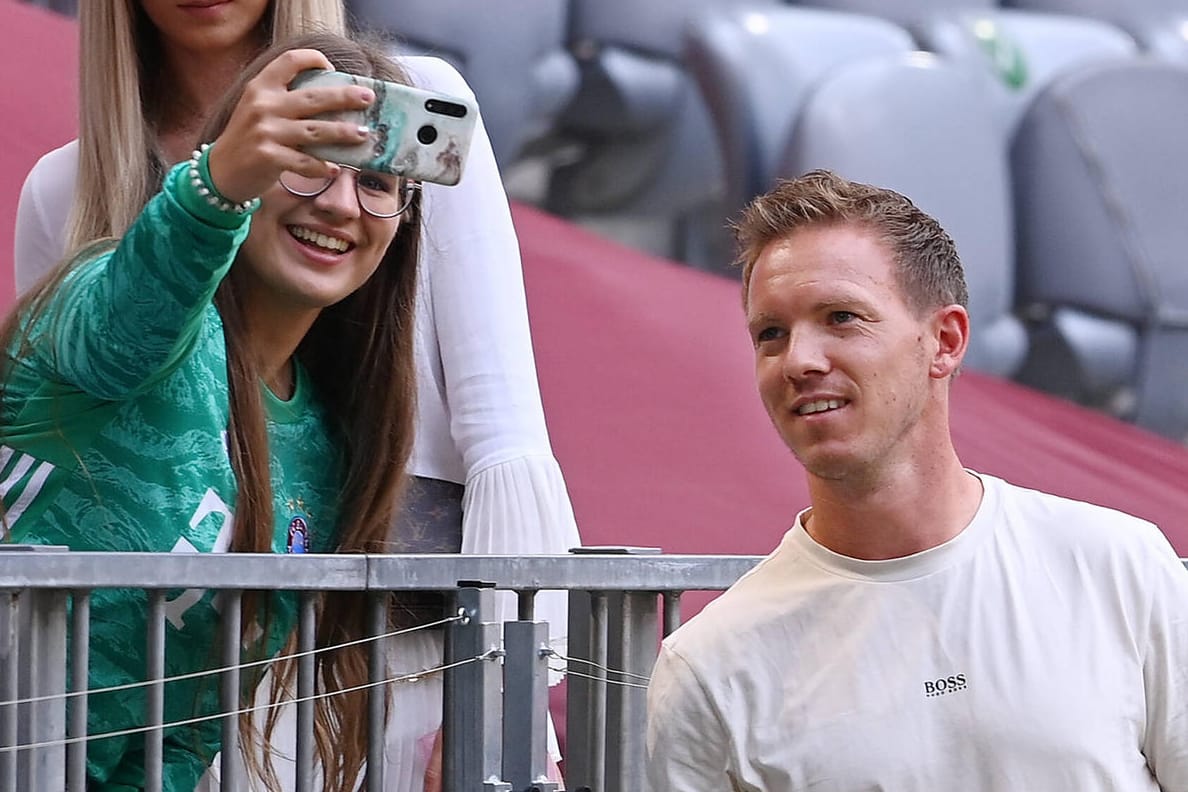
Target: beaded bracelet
x=200, y=179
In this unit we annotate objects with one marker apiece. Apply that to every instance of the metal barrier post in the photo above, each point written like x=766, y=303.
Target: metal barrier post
x=10, y=661
x=632, y=648
x=80, y=663
x=33, y=667
x=306, y=687
x=44, y=674
x=377, y=711
x=577, y=694
x=525, y=705
x=472, y=742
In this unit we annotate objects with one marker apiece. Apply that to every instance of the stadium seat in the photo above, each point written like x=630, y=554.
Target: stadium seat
x=1017, y=51
x=924, y=127
x=511, y=52
x=648, y=146
x=1101, y=180
x=910, y=14
x=1161, y=26
x=756, y=67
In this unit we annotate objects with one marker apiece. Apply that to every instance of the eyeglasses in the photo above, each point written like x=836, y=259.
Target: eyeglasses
x=380, y=194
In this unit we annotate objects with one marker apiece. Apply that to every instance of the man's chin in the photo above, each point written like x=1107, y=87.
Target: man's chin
x=830, y=465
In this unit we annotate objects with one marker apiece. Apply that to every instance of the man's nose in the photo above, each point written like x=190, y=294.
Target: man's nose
x=805, y=354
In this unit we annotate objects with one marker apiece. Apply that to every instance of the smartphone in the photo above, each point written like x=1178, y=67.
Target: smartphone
x=415, y=133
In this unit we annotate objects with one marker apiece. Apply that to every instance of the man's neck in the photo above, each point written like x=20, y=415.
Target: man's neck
x=897, y=513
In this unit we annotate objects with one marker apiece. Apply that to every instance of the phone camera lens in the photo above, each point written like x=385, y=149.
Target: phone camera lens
x=427, y=134
x=441, y=107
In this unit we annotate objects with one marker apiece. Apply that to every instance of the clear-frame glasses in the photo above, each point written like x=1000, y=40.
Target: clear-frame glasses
x=380, y=194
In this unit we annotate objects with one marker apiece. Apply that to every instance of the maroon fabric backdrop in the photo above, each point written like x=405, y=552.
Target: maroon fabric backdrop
x=39, y=61
x=645, y=369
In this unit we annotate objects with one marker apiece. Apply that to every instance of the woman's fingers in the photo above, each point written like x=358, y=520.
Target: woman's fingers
x=272, y=127
x=316, y=101
x=289, y=64
x=433, y=771
x=314, y=132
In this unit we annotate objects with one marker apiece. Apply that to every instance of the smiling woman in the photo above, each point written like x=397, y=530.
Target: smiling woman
x=483, y=475
x=248, y=380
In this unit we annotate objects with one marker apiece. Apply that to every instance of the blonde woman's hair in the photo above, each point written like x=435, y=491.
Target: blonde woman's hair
x=120, y=165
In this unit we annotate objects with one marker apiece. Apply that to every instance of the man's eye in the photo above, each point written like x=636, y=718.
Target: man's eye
x=841, y=317
x=768, y=334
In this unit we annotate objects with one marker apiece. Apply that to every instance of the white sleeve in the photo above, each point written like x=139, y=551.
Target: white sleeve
x=1165, y=672
x=44, y=206
x=687, y=744
x=515, y=501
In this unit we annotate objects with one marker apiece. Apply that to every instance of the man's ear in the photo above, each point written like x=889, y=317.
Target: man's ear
x=951, y=332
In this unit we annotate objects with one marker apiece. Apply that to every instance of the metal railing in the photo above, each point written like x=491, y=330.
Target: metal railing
x=495, y=675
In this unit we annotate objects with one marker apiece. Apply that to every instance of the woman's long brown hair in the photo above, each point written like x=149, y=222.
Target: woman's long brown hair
x=359, y=355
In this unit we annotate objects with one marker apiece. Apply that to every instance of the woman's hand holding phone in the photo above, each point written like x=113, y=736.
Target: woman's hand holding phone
x=271, y=125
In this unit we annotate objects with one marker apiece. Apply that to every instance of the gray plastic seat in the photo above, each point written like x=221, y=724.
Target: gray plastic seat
x=1016, y=51
x=512, y=52
x=647, y=144
x=1019, y=52
x=1161, y=26
x=756, y=67
x=1101, y=181
x=910, y=14
x=925, y=128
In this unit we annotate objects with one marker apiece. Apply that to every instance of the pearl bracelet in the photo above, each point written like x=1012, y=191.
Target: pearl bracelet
x=200, y=179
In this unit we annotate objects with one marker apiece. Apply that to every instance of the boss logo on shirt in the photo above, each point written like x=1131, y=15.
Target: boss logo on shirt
x=949, y=684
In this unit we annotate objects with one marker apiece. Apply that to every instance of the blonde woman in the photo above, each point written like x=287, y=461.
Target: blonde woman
x=484, y=479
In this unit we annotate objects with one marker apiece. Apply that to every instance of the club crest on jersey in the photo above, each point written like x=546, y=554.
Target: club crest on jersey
x=299, y=535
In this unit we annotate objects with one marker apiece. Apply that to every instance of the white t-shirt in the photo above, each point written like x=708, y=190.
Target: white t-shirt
x=1043, y=648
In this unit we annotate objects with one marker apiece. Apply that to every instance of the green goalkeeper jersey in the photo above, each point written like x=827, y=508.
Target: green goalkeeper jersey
x=115, y=417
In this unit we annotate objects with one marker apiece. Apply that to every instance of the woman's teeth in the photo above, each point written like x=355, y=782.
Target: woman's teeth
x=319, y=240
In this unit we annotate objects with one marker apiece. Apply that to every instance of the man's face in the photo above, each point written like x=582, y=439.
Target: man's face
x=844, y=366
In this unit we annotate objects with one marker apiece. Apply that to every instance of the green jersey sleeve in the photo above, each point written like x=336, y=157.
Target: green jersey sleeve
x=125, y=316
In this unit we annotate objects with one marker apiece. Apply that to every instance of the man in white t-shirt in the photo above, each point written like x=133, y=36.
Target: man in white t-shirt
x=921, y=627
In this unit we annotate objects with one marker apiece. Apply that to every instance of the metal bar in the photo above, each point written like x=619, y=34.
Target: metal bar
x=231, y=688
x=154, y=701
x=472, y=738
x=525, y=704
x=357, y=572
x=632, y=649
x=672, y=611
x=526, y=604
x=377, y=712
x=577, y=695
x=37, y=631
x=10, y=662
x=596, y=716
x=49, y=722
x=80, y=650
x=348, y=572
x=306, y=668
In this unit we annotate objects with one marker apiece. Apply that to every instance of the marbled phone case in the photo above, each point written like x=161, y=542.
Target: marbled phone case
x=415, y=133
